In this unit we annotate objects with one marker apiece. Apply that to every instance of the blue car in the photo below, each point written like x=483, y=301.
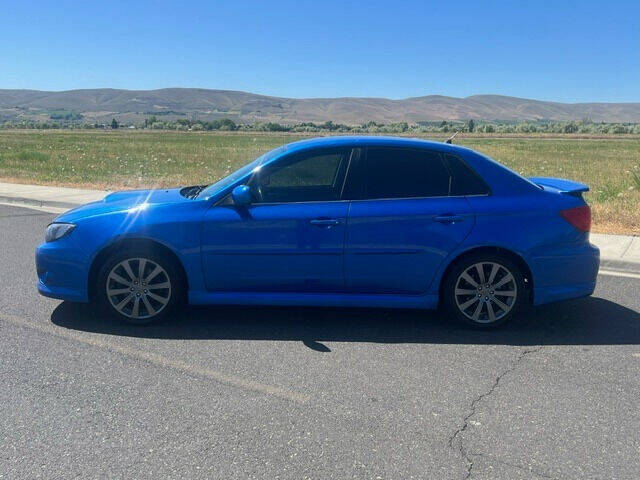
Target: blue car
x=336, y=221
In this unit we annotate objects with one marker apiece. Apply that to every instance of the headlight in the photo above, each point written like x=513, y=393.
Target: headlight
x=56, y=231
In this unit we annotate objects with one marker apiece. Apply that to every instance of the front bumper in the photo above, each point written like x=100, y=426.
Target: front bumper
x=62, y=272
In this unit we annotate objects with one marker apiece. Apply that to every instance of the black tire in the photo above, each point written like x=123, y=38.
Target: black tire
x=146, y=297
x=489, y=297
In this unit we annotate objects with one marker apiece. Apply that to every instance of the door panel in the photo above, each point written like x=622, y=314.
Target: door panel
x=396, y=246
x=275, y=247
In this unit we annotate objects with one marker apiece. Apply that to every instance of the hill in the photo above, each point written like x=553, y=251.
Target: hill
x=134, y=105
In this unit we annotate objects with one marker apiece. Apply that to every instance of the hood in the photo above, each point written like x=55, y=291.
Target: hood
x=121, y=201
x=135, y=197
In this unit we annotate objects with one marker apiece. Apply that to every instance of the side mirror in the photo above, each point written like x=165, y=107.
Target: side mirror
x=241, y=195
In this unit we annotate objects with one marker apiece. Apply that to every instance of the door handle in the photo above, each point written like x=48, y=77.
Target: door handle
x=324, y=222
x=448, y=218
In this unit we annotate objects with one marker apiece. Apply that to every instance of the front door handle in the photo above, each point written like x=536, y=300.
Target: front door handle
x=324, y=222
x=448, y=218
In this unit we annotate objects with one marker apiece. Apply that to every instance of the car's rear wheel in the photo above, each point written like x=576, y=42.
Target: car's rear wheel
x=484, y=290
x=138, y=286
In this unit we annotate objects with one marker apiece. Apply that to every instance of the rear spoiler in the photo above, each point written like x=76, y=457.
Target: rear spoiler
x=564, y=186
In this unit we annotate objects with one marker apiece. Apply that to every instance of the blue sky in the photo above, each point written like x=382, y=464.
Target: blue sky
x=565, y=50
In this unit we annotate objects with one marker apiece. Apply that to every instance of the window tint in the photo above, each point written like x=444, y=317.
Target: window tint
x=404, y=173
x=464, y=180
x=308, y=177
x=320, y=170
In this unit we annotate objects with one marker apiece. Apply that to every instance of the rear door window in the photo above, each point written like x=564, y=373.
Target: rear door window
x=403, y=173
x=464, y=181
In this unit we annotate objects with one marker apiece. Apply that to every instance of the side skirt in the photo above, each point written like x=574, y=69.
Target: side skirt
x=428, y=302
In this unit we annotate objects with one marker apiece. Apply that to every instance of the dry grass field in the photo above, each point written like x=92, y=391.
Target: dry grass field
x=129, y=159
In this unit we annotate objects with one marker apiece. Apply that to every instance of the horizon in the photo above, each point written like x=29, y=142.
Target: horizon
x=568, y=52
x=315, y=98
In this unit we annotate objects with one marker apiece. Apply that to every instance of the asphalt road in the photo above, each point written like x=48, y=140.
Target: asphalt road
x=313, y=393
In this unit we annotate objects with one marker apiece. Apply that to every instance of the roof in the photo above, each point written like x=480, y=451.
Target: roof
x=354, y=141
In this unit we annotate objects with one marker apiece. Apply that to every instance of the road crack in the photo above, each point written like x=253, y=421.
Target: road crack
x=456, y=441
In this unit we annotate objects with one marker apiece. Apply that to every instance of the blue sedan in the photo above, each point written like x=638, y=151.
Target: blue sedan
x=337, y=221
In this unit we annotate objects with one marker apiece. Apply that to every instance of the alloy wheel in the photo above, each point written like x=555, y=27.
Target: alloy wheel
x=485, y=292
x=138, y=288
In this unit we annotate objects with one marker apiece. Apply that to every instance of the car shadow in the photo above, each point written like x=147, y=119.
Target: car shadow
x=588, y=321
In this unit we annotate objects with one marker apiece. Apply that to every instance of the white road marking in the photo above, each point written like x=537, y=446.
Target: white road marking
x=160, y=360
x=613, y=273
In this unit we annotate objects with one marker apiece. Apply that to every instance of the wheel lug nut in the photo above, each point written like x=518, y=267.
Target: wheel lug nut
x=132, y=289
x=146, y=291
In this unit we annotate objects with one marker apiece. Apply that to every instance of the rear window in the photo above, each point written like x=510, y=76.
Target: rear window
x=404, y=173
x=464, y=181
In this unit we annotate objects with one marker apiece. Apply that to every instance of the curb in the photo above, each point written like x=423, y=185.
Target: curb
x=619, y=265
x=37, y=203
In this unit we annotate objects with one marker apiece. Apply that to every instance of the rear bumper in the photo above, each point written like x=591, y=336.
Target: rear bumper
x=566, y=272
x=562, y=292
x=61, y=273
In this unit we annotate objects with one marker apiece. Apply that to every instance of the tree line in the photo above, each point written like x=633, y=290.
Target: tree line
x=226, y=124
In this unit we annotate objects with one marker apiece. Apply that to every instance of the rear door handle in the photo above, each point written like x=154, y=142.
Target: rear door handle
x=448, y=218
x=324, y=222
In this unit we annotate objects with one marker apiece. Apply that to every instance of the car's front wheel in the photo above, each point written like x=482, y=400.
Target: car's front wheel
x=138, y=286
x=484, y=290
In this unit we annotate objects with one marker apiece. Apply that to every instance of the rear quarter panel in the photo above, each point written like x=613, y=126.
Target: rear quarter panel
x=525, y=219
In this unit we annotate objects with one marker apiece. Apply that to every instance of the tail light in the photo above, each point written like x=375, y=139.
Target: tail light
x=579, y=217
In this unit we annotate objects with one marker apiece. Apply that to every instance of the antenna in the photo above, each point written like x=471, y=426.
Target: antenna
x=450, y=139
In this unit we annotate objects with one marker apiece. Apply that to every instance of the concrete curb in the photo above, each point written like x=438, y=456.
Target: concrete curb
x=619, y=265
x=618, y=252
x=37, y=203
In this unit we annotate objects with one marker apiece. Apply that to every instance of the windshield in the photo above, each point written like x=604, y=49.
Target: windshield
x=238, y=174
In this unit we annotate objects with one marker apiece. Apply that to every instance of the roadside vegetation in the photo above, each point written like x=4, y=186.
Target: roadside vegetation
x=124, y=158
x=64, y=120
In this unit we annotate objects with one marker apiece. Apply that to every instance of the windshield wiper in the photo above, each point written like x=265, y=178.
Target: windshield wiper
x=193, y=191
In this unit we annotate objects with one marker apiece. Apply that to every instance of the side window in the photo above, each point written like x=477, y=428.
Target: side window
x=404, y=173
x=464, y=180
x=307, y=177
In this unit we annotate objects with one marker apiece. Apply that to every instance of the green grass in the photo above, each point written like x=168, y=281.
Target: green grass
x=125, y=159
x=32, y=156
x=128, y=159
x=611, y=167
